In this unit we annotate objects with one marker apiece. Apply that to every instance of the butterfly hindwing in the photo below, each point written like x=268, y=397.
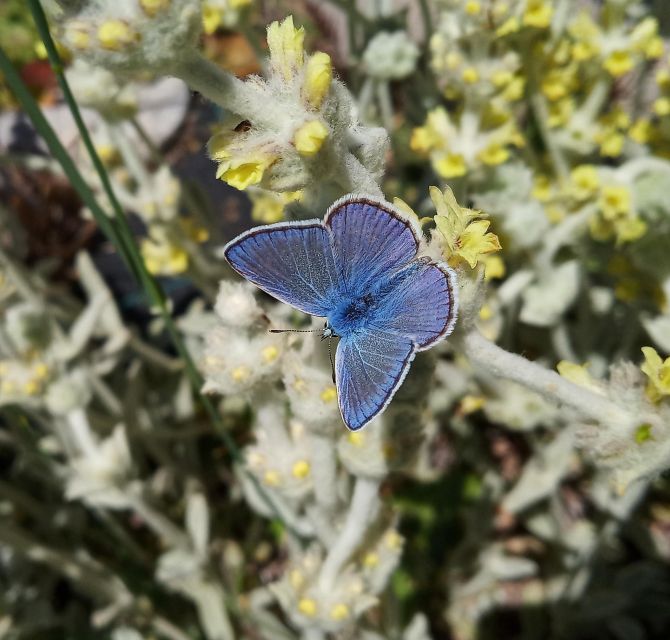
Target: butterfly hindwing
x=292, y=262
x=369, y=368
x=369, y=239
x=419, y=303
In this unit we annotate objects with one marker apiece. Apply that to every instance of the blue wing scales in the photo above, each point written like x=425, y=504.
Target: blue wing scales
x=418, y=302
x=292, y=262
x=369, y=239
x=369, y=368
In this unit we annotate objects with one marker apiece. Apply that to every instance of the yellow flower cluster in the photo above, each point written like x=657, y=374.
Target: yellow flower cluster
x=458, y=148
x=165, y=251
x=246, y=150
x=614, y=216
x=465, y=233
x=22, y=379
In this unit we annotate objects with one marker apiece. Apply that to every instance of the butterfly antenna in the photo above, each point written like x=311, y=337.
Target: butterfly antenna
x=296, y=330
x=330, y=355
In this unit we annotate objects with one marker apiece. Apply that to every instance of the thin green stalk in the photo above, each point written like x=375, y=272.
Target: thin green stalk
x=116, y=228
x=119, y=233
x=427, y=20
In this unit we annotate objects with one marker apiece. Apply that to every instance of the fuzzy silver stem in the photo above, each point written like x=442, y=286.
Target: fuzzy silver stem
x=363, y=509
x=498, y=362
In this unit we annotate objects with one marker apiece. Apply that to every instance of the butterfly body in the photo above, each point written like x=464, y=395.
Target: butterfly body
x=358, y=269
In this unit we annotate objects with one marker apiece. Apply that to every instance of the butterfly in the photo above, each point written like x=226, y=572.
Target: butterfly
x=359, y=269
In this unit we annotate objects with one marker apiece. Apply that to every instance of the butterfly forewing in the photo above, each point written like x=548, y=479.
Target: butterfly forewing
x=369, y=241
x=292, y=262
x=369, y=368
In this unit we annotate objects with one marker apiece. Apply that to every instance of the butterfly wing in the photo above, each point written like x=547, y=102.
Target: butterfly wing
x=291, y=261
x=370, y=239
x=369, y=368
x=418, y=302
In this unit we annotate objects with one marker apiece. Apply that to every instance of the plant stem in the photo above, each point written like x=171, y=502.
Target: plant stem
x=427, y=19
x=324, y=471
x=223, y=88
x=496, y=361
x=363, y=509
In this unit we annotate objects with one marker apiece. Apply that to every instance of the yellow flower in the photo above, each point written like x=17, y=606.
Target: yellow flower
x=646, y=40
x=493, y=155
x=658, y=372
x=471, y=403
x=655, y=48
x=318, y=77
x=272, y=478
x=618, y=63
x=163, y=257
x=301, y=469
x=451, y=165
x=582, y=51
x=339, y=612
x=466, y=237
x=494, y=267
x=153, y=7
x=612, y=144
x=615, y=201
x=309, y=138
x=560, y=112
x=399, y=203
x=270, y=354
x=116, y=34
x=542, y=188
x=307, y=607
x=663, y=78
x=578, y=374
x=641, y=131
x=244, y=171
x=511, y=25
x=473, y=8
x=584, y=182
x=470, y=75
x=286, y=47
x=475, y=242
x=559, y=83
x=268, y=207
x=662, y=106
x=211, y=18
x=629, y=229
x=77, y=36
x=421, y=140
x=538, y=14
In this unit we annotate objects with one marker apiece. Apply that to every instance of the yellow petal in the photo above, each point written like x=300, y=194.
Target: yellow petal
x=475, y=242
x=244, y=171
x=116, y=35
x=211, y=19
x=451, y=165
x=154, y=7
x=318, y=77
x=309, y=138
x=576, y=373
x=286, y=47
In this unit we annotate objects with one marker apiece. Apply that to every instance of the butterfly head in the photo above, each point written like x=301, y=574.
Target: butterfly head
x=328, y=332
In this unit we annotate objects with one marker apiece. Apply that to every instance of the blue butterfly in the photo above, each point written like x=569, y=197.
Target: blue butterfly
x=358, y=269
